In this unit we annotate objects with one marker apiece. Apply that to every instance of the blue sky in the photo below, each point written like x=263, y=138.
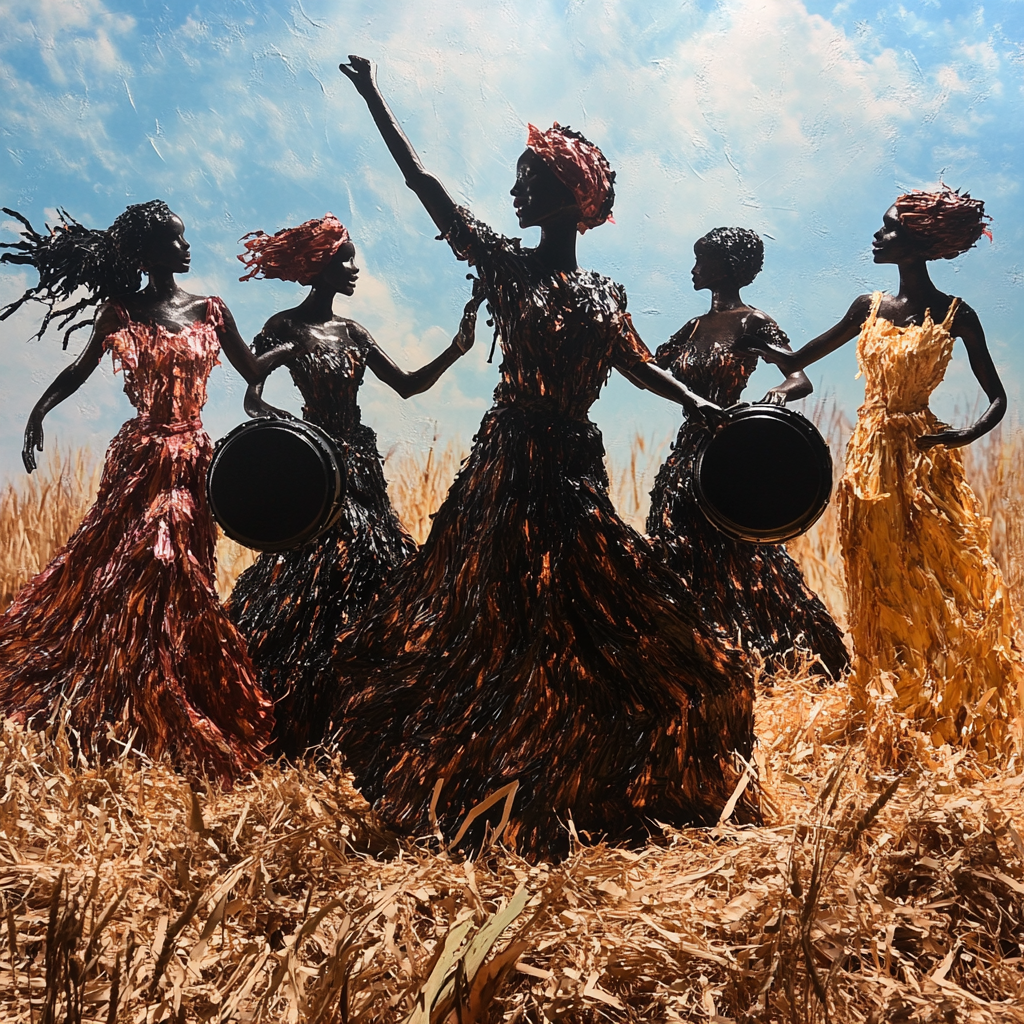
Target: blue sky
x=801, y=120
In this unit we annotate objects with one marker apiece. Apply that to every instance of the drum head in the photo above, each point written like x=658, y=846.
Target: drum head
x=765, y=475
x=274, y=484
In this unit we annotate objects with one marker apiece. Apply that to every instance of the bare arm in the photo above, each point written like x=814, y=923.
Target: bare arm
x=817, y=348
x=653, y=378
x=967, y=326
x=432, y=194
x=796, y=385
x=254, y=368
x=66, y=383
x=418, y=381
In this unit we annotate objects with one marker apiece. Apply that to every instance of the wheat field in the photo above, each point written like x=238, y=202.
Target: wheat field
x=129, y=895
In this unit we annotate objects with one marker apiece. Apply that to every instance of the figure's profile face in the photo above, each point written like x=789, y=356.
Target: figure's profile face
x=165, y=247
x=710, y=268
x=892, y=243
x=341, y=273
x=538, y=196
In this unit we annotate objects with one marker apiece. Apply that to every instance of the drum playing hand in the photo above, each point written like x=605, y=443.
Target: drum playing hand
x=257, y=408
x=773, y=397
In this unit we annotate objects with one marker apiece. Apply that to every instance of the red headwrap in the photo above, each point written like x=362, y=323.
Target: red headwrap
x=294, y=254
x=581, y=167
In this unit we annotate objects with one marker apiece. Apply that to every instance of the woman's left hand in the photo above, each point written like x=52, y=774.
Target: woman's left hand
x=948, y=438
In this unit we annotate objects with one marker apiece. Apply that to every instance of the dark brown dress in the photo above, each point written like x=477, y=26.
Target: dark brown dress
x=291, y=606
x=755, y=592
x=123, y=632
x=535, y=639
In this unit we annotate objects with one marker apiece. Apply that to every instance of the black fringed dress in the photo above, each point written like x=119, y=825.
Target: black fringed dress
x=535, y=639
x=755, y=592
x=291, y=606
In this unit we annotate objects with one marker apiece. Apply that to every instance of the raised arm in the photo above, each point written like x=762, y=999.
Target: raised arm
x=418, y=381
x=967, y=326
x=432, y=194
x=66, y=383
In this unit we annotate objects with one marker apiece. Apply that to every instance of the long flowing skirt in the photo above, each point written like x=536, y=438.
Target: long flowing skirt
x=123, y=632
x=934, y=635
x=535, y=640
x=755, y=592
x=291, y=607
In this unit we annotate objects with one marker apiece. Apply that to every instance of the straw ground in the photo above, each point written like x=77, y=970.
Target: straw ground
x=128, y=895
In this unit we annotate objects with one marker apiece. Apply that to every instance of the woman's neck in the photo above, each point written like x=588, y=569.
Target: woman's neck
x=318, y=306
x=916, y=287
x=725, y=298
x=557, y=247
x=162, y=286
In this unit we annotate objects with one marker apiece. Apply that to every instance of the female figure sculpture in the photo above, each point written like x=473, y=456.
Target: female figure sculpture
x=934, y=637
x=291, y=606
x=122, y=634
x=755, y=592
x=534, y=646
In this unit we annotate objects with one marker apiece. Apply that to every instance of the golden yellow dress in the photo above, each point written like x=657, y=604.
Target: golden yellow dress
x=936, y=643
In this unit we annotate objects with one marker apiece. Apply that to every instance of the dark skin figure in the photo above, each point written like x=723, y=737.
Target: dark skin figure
x=730, y=319
x=917, y=295
x=161, y=303
x=540, y=200
x=312, y=322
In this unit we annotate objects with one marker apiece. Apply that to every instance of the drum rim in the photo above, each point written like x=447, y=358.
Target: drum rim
x=753, y=410
x=320, y=441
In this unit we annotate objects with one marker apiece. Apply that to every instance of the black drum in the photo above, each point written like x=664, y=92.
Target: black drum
x=275, y=484
x=764, y=474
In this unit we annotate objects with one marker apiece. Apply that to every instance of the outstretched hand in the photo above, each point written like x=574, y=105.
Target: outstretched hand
x=33, y=441
x=761, y=346
x=362, y=72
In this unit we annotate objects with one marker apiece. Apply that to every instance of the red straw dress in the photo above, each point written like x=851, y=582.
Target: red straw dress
x=124, y=625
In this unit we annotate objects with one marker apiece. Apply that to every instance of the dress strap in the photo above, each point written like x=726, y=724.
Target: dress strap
x=947, y=323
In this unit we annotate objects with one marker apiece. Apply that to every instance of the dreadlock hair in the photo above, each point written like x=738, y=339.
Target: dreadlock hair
x=70, y=256
x=943, y=223
x=741, y=248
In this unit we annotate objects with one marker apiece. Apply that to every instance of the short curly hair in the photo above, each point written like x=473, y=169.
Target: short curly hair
x=945, y=223
x=294, y=254
x=741, y=248
x=70, y=256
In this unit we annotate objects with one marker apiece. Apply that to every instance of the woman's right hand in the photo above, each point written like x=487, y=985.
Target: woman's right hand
x=770, y=353
x=33, y=440
x=258, y=409
x=361, y=72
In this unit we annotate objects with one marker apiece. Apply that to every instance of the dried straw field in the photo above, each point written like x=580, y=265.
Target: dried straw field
x=127, y=895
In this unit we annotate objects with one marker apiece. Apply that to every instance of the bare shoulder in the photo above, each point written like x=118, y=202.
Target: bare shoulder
x=966, y=323
x=356, y=331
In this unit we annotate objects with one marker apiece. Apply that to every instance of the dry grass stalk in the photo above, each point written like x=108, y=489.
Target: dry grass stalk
x=418, y=483
x=126, y=897
x=39, y=512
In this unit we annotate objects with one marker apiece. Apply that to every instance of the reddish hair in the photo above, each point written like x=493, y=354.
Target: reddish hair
x=944, y=223
x=294, y=254
x=581, y=167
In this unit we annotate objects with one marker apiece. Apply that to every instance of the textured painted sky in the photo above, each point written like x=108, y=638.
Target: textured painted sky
x=800, y=120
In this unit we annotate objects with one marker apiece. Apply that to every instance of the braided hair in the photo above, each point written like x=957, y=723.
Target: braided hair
x=70, y=256
x=740, y=248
